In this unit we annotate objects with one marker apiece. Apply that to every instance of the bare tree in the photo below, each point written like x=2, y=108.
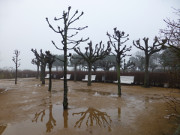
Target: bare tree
x=117, y=40
x=16, y=61
x=41, y=57
x=172, y=33
x=49, y=59
x=148, y=51
x=92, y=55
x=67, y=39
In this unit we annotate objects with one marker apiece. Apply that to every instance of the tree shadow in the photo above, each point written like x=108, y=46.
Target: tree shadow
x=93, y=117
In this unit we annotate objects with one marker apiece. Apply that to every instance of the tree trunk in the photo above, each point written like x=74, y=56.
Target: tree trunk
x=119, y=113
x=16, y=74
x=50, y=82
x=146, y=76
x=65, y=100
x=43, y=74
x=75, y=72
x=89, y=74
x=37, y=74
x=119, y=79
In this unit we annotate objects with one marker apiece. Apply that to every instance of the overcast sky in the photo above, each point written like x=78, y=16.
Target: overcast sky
x=23, y=25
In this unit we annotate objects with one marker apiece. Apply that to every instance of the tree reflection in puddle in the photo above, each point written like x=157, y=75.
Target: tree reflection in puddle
x=65, y=115
x=119, y=114
x=55, y=118
x=93, y=117
x=39, y=114
x=51, y=121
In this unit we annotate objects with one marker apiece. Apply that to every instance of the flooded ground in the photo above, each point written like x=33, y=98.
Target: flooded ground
x=29, y=109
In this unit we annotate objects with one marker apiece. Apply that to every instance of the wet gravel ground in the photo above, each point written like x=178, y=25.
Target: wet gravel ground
x=28, y=108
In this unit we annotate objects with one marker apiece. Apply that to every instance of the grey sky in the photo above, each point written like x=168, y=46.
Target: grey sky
x=23, y=25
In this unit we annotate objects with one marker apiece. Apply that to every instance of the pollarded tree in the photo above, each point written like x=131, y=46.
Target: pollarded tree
x=49, y=59
x=41, y=57
x=67, y=39
x=92, y=55
x=16, y=61
x=117, y=41
x=148, y=51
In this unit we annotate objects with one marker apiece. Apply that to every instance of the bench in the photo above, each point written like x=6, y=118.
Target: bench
x=126, y=79
x=47, y=76
x=93, y=78
x=67, y=77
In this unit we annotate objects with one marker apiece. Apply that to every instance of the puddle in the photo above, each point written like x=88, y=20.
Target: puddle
x=4, y=90
x=54, y=118
x=97, y=93
x=37, y=85
x=34, y=92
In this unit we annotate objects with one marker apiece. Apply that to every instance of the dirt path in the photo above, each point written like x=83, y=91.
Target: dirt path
x=28, y=108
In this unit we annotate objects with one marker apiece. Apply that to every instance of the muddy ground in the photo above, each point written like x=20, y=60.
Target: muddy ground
x=29, y=109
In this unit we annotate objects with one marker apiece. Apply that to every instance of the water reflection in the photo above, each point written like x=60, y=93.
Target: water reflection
x=65, y=115
x=2, y=129
x=119, y=114
x=93, y=117
x=51, y=122
x=40, y=115
x=96, y=93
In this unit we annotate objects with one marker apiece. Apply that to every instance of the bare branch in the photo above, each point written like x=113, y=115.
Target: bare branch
x=77, y=18
x=52, y=26
x=79, y=28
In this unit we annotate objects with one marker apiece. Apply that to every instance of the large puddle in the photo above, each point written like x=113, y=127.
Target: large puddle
x=29, y=109
x=54, y=119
